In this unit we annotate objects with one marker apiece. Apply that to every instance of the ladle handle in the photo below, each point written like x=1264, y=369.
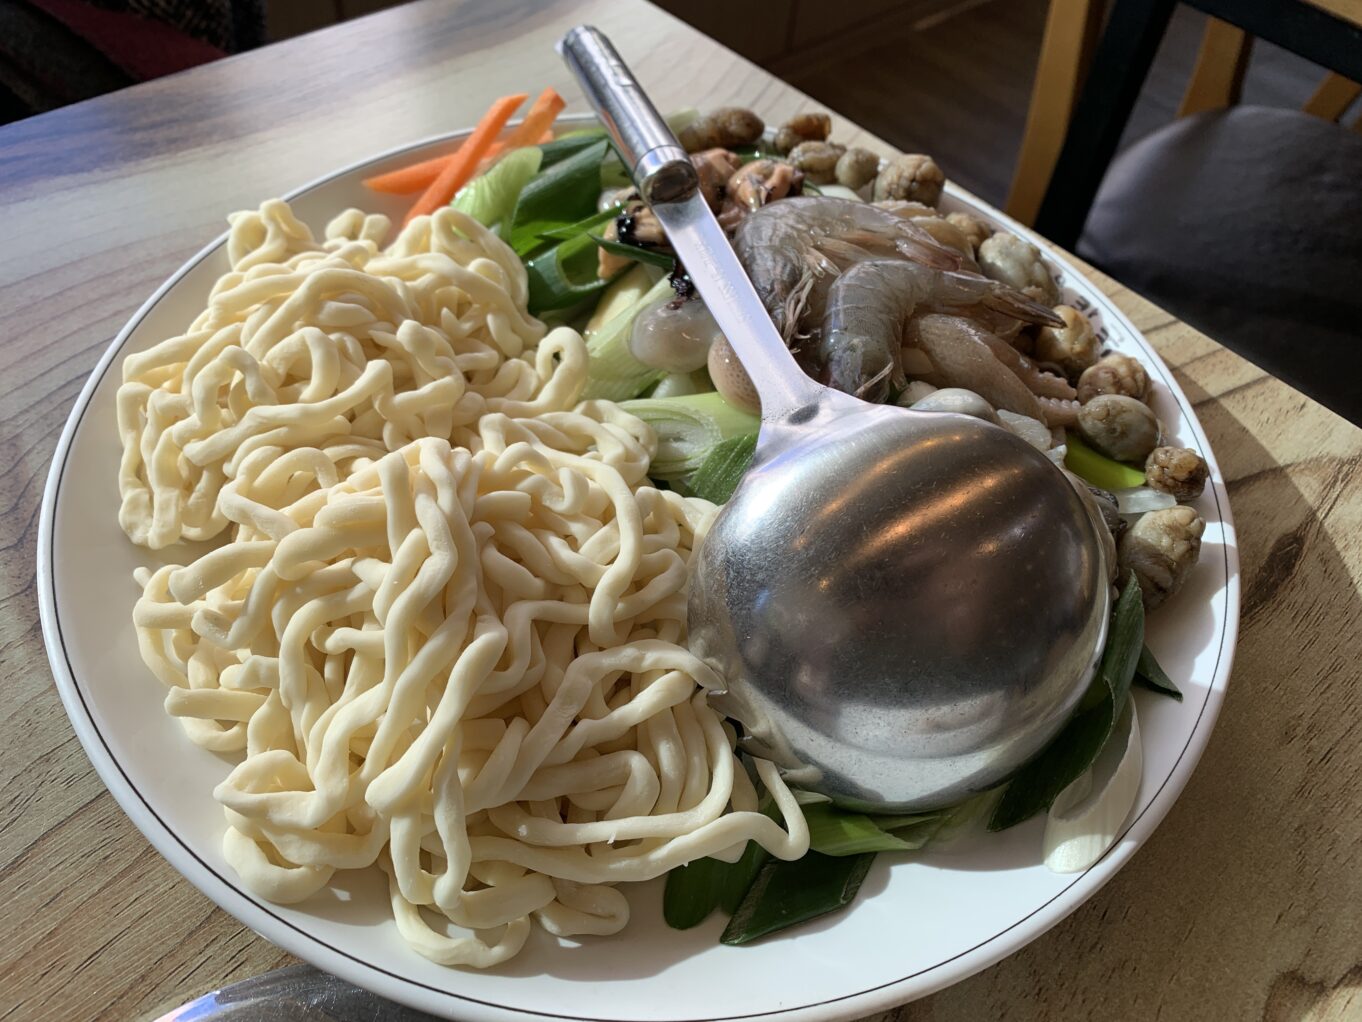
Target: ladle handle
x=656, y=161
x=667, y=180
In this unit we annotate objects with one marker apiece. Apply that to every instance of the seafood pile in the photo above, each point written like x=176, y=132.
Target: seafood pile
x=880, y=294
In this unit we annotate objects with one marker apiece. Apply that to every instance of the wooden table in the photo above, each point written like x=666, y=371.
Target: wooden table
x=1247, y=902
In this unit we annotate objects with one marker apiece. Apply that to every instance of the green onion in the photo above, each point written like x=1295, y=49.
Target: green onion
x=613, y=374
x=1078, y=745
x=1098, y=469
x=557, y=197
x=785, y=894
x=688, y=428
x=491, y=198
x=963, y=817
x=581, y=226
x=836, y=832
x=682, y=384
x=723, y=468
x=564, y=276
x=637, y=253
x=1149, y=674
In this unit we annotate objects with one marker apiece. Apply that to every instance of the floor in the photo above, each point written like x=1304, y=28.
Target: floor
x=956, y=83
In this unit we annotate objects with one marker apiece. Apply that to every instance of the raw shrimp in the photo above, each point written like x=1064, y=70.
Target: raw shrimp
x=801, y=254
x=869, y=307
x=778, y=245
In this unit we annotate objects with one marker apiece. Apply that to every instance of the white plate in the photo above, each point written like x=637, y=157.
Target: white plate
x=919, y=924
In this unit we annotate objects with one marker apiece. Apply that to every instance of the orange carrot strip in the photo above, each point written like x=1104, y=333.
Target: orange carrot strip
x=540, y=118
x=418, y=176
x=411, y=178
x=465, y=162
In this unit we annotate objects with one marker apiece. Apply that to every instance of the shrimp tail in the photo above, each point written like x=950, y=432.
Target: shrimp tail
x=1015, y=304
x=929, y=253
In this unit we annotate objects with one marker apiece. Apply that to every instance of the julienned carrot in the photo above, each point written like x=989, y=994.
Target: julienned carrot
x=465, y=162
x=415, y=177
x=411, y=178
x=543, y=112
x=418, y=176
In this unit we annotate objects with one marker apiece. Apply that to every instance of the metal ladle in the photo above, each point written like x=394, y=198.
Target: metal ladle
x=907, y=606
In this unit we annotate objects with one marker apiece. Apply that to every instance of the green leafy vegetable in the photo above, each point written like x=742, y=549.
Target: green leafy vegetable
x=1149, y=674
x=490, y=198
x=785, y=894
x=909, y=820
x=1079, y=743
x=694, y=891
x=638, y=254
x=836, y=832
x=1098, y=469
x=688, y=428
x=557, y=197
x=723, y=468
x=738, y=878
x=916, y=835
x=570, y=145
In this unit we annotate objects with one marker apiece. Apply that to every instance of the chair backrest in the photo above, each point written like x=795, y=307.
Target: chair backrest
x=1072, y=29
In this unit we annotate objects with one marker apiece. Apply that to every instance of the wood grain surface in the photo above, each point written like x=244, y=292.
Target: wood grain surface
x=1245, y=904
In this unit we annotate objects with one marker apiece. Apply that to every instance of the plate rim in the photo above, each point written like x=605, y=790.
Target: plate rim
x=257, y=915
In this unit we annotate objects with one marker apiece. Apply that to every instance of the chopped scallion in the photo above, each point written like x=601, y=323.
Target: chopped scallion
x=688, y=428
x=613, y=374
x=564, y=276
x=1098, y=469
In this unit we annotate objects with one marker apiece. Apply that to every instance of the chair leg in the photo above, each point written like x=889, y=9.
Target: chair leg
x=1120, y=65
x=1066, y=51
x=1333, y=97
x=1218, y=78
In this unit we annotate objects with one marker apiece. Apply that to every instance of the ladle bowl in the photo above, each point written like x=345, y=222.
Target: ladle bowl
x=906, y=605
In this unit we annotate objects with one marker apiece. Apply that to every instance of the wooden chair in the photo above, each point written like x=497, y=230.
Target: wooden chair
x=1244, y=221
x=1072, y=33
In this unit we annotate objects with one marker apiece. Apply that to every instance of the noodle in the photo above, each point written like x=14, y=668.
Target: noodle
x=447, y=629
